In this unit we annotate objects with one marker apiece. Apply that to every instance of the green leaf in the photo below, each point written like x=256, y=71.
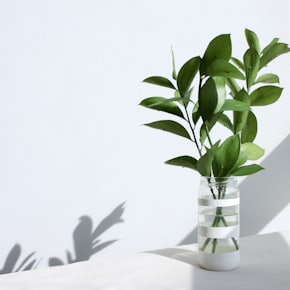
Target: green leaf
x=186, y=75
x=208, y=99
x=221, y=92
x=273, y=50
x=203, y=134
x=223, y=68
x=176, y=98
x=234, y=105
x=211, y=97
x=184, y=101
x=252, y=150
x=233, y=86
x=266, y=95
x=174, y=75
x=225, y=121
x=219, y=48
x=186, y=98
x=170, y=126
x=252, y=64
x=243, y=157
x=250, y=129
x=203, y=165
x=246, y=170
x=238, y=63
x=160, y=81
x=195, y=114
x=207, y=126
x=162, y=104
x=183, y=161
x=268, y=78
x=253, y=40
x=226, y=156
x=240, y=118
x=268, y=48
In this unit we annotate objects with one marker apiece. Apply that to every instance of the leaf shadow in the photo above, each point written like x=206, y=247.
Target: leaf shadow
x=86, y=238
x=86, y=243
x=14, y=264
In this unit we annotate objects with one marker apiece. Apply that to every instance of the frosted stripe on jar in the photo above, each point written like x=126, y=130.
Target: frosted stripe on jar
x=219, y=232
x=218, y=202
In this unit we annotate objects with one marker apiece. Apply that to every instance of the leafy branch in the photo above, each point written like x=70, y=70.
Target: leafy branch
x=227, y=91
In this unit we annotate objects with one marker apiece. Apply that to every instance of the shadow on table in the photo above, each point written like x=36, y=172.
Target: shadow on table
x=182, y=255
x=263, y=195
x=265, y=262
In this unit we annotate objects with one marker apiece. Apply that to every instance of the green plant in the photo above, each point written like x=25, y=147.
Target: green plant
x=226, y=91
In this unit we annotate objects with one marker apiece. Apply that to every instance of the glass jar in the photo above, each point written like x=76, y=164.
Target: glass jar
x=218, y=223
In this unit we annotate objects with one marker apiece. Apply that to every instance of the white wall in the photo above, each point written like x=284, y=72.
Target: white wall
x=72, y=143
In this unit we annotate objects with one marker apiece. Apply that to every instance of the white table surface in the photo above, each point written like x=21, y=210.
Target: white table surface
x=265, y=264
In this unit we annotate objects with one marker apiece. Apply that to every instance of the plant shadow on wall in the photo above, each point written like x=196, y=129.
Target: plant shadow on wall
x=271, y=186
x=86, y=243
x=86, y=239
x=14, y=264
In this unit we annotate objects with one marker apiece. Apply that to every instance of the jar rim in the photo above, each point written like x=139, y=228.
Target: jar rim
x=223, y=179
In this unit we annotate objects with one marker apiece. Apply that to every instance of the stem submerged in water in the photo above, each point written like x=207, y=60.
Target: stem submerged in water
x=219, y=220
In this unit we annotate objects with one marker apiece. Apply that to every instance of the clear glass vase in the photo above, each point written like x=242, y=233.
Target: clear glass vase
x=218, y=223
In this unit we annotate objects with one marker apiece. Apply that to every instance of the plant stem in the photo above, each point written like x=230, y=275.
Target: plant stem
x=208, y=136
x=212, y=192
x=192, y=130
x=233, y=239
x=202, y=248
x=216, y=222
x=214, y=244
